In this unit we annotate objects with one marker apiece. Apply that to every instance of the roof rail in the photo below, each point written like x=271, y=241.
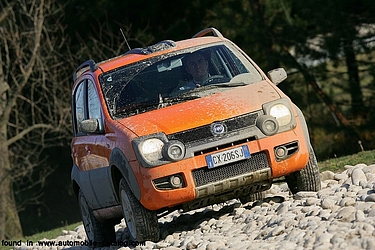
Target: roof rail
x=163, y=45
x=89, y=63
x=204, y=32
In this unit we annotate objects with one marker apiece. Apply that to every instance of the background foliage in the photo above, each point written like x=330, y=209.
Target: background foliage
x=326, y=47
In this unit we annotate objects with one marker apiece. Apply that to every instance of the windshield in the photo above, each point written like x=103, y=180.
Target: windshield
x=173, y=78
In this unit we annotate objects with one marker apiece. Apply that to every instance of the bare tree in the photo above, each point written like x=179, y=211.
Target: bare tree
x=34, y=96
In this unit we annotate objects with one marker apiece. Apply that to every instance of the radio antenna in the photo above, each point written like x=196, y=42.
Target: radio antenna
x=125, y=39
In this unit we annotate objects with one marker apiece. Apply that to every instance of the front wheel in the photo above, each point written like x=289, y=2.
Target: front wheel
x=99, y=234
x=306, y=179
x=141, y=222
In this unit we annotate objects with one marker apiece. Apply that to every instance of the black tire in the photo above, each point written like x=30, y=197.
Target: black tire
x=141, y=222
x=306, y=179
x=253, y=197
x=98, y=234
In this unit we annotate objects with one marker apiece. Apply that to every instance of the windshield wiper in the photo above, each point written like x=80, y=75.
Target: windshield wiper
x=213, y=86
x=139, y=107
x=180, y=98
x=197, y=92
x=228, y=84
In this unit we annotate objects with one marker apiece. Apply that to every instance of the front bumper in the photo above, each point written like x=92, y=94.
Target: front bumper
x=201, y=183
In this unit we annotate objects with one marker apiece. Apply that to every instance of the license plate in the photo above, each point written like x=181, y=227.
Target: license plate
x=227, y=156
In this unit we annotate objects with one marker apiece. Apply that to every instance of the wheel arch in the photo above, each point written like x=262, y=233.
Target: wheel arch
x=303, y=122
x=76, y=188
x=120, y=168
x=116, y=178
x=75, y=180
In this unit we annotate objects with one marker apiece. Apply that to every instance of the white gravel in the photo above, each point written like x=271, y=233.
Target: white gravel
x=340, y=216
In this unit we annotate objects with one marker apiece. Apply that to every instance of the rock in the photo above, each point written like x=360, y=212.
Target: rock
x=328, y=203
x=347, y=201
x=311, y=201
x=305, y=194
x=359, y=215
x=371, y=213
x=357, y=176
x=340, y=177
x=326, y=175
x=370, y=198
x=283, y=208
x=340, y=216
x=161, y=245
x=346, y=214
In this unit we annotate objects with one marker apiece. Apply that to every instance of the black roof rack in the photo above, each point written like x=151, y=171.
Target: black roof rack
x=212, y=30
x=163, y=45
x=89, y=63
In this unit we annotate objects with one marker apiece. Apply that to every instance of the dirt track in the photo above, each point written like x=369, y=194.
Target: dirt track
x=340, y=216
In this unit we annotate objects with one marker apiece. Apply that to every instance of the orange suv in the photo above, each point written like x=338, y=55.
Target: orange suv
x=181, y=125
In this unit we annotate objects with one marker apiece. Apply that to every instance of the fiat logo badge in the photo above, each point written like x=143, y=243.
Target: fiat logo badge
x=218, y=128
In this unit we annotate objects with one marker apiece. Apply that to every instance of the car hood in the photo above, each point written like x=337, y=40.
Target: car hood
x=195, y=113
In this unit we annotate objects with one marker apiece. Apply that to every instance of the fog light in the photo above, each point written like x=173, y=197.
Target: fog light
x=175, y=181
x=281, y=152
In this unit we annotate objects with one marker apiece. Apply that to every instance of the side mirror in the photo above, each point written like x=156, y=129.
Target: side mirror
x=90, y=126
x=277, y=75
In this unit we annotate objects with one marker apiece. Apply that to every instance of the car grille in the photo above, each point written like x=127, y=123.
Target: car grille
x=204, y=132
x=205, y=175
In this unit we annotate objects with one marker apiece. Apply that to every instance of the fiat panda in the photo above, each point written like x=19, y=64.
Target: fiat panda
x=181, y=125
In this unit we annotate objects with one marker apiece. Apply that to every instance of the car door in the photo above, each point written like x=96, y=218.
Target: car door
x=91, y=151
x=100, y=148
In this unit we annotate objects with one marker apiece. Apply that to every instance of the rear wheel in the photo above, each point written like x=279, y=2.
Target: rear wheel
x=141, y=222
x=306, y=179
x=100, y=234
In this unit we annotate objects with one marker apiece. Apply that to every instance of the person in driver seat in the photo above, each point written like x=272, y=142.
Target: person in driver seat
x=197, y=66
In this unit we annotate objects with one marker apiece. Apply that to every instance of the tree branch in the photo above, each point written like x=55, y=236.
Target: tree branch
x=21, y=134
x=4, y=13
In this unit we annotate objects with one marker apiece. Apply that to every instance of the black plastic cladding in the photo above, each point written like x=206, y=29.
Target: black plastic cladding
x=201, y=133
x=256, y=162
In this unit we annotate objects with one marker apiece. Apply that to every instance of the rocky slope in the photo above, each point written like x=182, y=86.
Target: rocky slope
x=340, y=216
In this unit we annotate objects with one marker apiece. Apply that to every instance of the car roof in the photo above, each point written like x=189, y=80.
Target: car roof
x=137, y=55
x=140, y=54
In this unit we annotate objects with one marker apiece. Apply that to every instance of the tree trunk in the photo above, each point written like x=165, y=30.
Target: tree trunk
x=354, y=83
x=310, y=79
x=4, y=163
x=258, y=10
x=29, y=59
x=10, y=226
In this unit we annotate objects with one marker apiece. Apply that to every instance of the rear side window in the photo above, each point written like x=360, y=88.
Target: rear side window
x=93, y=102
x=79, y=106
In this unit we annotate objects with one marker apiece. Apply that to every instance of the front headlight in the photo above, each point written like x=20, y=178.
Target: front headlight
x=281, y=110
x=281, y=113
x=151, y=149
x=156, y=149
